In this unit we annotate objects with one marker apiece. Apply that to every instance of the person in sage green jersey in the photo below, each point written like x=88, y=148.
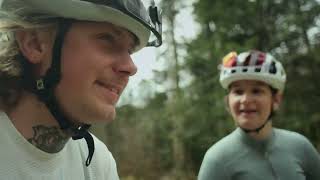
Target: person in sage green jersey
x=256, y=150
x=63, y=66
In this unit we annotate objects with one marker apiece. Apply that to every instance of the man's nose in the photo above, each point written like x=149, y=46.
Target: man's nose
x=125, y=65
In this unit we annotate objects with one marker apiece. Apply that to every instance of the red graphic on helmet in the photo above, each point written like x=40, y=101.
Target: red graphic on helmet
x=261, y=58
x=230, y=60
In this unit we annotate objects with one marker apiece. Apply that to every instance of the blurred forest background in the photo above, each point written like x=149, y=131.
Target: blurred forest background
x=166, y=137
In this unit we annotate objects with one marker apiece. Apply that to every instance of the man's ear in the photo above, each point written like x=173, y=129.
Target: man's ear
x=277, y=100
x=32, y=45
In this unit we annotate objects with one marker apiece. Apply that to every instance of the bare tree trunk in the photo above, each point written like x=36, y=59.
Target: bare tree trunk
x=176, y=114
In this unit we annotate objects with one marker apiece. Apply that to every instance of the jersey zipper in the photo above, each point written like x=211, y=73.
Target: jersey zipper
x=274, y=174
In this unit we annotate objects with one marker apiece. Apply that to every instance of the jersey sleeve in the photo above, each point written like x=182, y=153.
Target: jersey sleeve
x=312, y=161
x=212, y=167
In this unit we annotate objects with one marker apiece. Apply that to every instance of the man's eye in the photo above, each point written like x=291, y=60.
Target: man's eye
x=130, y=51
x=108, y=37
x=132, y=47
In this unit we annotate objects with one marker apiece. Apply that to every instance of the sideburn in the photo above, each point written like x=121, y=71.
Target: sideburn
x=274, y=92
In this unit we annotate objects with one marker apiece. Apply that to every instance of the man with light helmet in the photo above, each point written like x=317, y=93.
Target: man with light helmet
x=63, y=66
x=255, y=150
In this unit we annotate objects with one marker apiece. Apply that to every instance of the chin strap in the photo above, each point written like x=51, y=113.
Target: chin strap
x=83, y=133
x=44, y=88
x=256, y=130
x=76, y=131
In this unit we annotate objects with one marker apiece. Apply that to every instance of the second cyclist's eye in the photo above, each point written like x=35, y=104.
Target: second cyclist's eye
x=237, y=91
x=257, y=91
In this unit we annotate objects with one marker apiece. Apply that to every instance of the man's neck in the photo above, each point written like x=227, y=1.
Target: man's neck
x=34, y=121
x=50, y=139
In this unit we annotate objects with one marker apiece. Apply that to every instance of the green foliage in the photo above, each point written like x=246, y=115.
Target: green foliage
x=142, y=137
x=300, y=109
x=138, y=139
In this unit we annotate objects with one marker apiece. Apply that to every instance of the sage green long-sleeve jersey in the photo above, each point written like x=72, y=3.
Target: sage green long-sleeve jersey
x=285, y=155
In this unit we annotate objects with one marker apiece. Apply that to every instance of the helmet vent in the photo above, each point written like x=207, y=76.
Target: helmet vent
x=257, y=70
x=252, y=65
x=273, y=69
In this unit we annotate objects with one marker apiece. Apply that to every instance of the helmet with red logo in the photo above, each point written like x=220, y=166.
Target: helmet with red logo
x=252, y=65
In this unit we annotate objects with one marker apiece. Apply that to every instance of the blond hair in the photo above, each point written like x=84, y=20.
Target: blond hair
x=11, y=69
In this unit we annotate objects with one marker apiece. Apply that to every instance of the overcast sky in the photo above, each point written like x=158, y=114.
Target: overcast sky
x=145, y=59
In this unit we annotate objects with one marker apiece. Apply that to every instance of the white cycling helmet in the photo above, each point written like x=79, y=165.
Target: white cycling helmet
x=129, y=14
x=252, y=65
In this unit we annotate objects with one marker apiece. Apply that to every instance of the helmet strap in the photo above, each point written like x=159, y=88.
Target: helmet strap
x=256, y=130
x=44, y=88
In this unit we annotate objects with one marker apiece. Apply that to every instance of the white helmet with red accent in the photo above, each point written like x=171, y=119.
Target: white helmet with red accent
x=252, y=65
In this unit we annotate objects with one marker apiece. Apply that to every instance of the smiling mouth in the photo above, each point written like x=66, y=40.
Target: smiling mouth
x=111, y=88
x=248, y=112
x=110, y=92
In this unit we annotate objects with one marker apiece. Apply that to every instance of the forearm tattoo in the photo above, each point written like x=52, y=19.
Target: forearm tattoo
x=48, y=139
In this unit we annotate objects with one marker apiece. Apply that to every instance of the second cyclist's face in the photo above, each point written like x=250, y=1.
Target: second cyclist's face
x=96, y=66
x=250, y=103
